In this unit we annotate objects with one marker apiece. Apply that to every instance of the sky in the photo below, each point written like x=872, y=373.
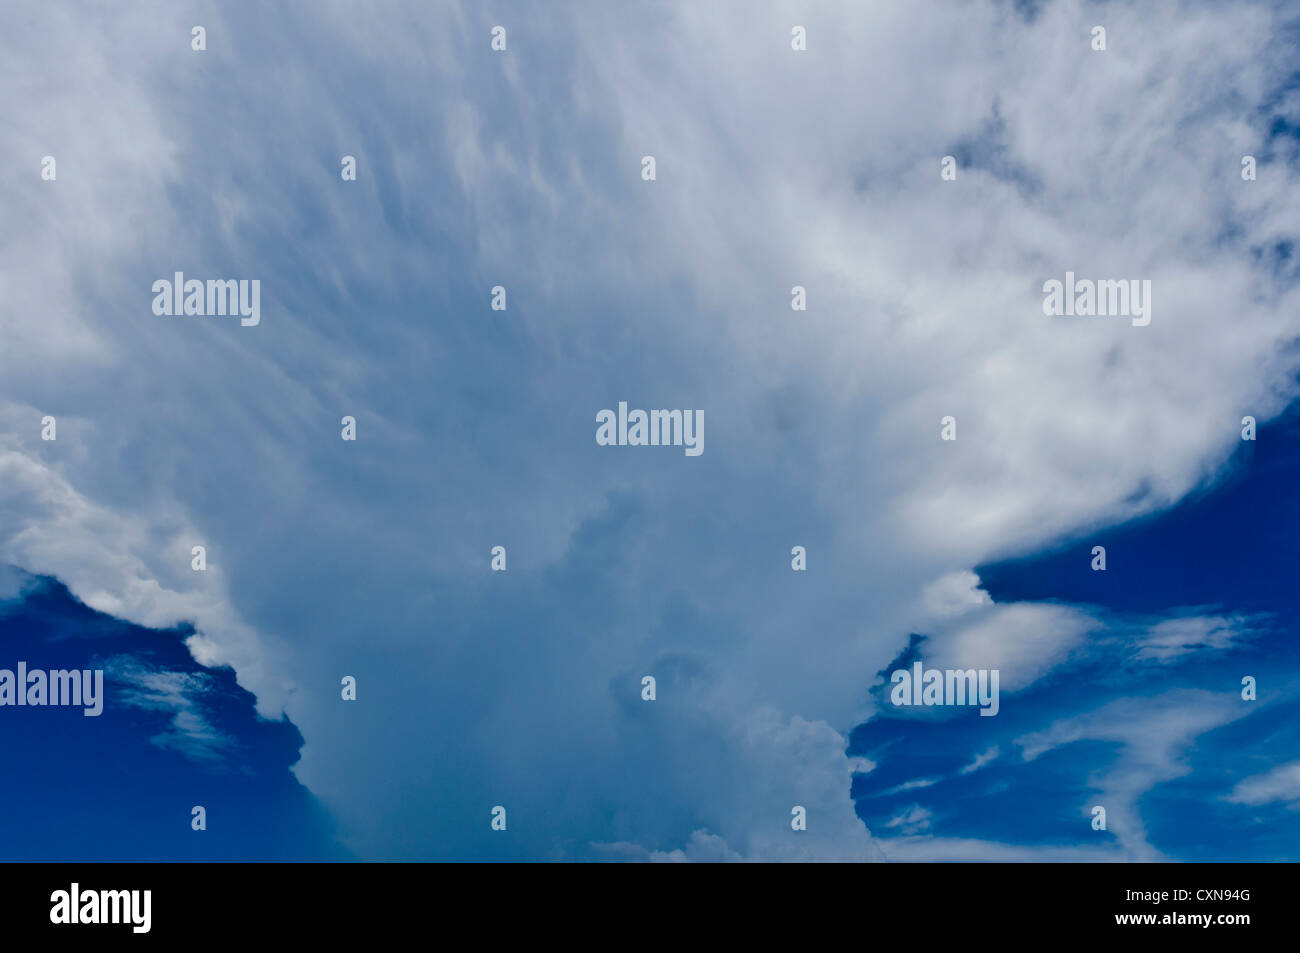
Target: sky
x=523, y=169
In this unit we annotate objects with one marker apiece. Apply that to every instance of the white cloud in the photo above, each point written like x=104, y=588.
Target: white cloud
x=180, y=693
x=955, y=594
x=136, y=568
x=1022, y=641
x=1152, y=735
x=1282, y=783
x=1174, y=638
x=981, y=759
x=926, y=294
x=702, y=848
x=918, y=849
x=860, y=765
x=913, y=785
x=911, y=821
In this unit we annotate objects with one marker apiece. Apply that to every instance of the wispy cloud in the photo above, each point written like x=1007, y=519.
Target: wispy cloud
x=182, y=694
x=1173, y=639
x=914, y=820
x=1280, y=784
x=1153, y=736
x=981, y=759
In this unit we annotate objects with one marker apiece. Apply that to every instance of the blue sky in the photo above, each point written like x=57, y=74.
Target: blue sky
x=172, y=735
x=475, y=428
x=1211, y=558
